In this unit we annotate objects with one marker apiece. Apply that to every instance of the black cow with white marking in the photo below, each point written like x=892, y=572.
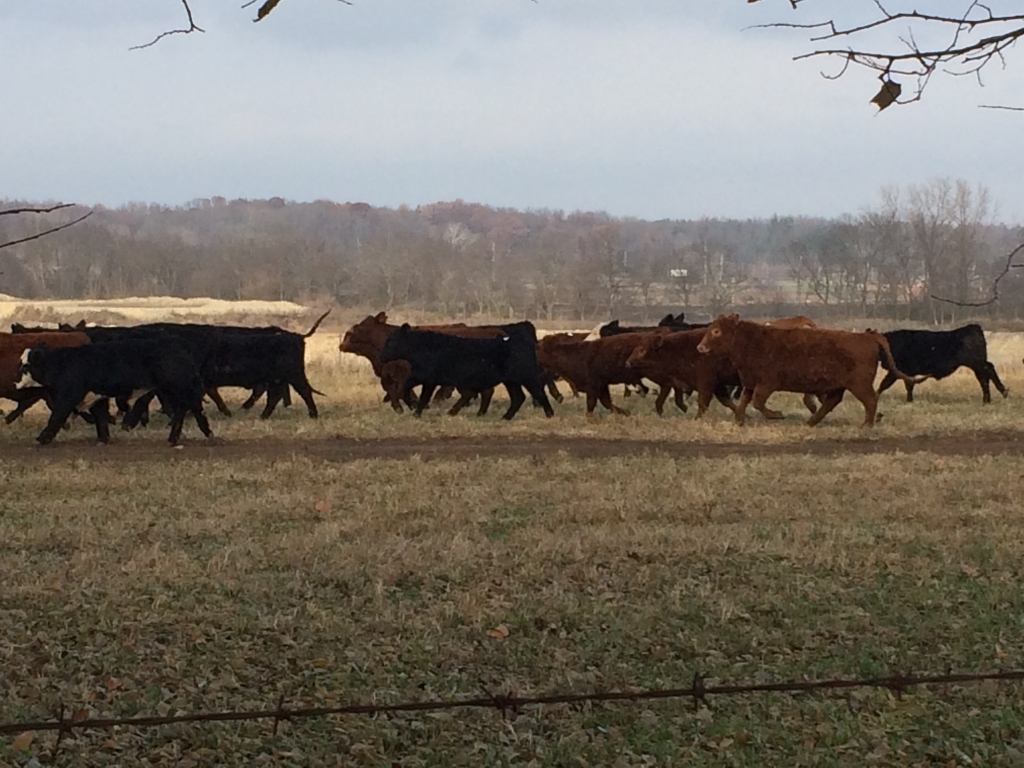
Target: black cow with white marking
x=471, y=365
x=939, y=353
x=117, y=370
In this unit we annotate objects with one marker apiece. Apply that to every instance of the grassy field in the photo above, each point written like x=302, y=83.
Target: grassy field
x=191, y=582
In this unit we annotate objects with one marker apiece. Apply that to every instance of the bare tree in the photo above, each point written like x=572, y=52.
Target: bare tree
x=897, y=41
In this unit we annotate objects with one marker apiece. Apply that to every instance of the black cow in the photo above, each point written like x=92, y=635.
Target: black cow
x=261, y=359
x=115, y=370
x=939, y=353
x=471, y=365
x=676, y=323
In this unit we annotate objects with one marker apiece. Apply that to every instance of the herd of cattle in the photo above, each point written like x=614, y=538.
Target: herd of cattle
x=721, y=359
x=179, y=364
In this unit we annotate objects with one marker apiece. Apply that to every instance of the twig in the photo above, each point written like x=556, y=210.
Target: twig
x=51, y=209
x=191, y=28
x=995, y=285
x=46, y=232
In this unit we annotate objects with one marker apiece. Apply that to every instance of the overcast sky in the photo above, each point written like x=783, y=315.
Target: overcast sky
x=648, y=108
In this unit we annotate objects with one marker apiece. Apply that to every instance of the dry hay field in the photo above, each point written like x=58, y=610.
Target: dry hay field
x=370, y=557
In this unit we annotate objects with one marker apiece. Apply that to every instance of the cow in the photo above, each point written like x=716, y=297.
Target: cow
x=813, y=361
x=937, y=354
x=675, y=323
x=232, y=356
x=366, y=339
x=591, y=366
x=674, y=355
x=472, y=365
x=12, y=345
x=115, y=369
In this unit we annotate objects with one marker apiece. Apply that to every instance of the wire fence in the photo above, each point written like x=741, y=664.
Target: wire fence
x=698, y=691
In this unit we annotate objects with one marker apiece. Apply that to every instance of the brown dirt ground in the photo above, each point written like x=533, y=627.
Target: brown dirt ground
x=346, y=449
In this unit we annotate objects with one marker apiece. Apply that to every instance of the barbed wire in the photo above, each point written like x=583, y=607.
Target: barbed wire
x=698, y=691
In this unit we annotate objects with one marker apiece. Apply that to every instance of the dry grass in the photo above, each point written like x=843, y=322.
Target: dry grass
x=153, y=587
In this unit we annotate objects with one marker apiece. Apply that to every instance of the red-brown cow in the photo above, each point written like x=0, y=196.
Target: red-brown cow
x=591, y=366
x=807, y=360
x=12, y=345
x=675, y=356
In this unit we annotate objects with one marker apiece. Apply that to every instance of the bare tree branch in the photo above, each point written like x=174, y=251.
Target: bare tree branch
x=995, y=285
x=191, y=28
x=51, y=209
x=46, y=232
x=973, y=40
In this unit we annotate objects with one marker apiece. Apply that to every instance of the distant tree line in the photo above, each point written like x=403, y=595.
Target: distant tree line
x=463, y=260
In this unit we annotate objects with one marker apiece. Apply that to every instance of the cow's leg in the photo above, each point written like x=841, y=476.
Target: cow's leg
x=809, y=403
x=722, y=394
x=760, y=401
x=443, y=394
x=62, y=408
x=553, y=391
x=679, y=398
x=909, y=386
x=605, y=396
x=201, y=421
x=642, y=389
x=515, y=394
x=591, y=403
x=214, y=395
x=177, y=422
x=536, y=390
x=991, y=369
x=573, y=389
x=257, y=392
x=23, y=405
x=100, y=411
x=485, y=401
x=829, y=400
x=659, y=401
x=274, y=396
x=465, y=398
x=137, y=411
x=425, y=392
x=867, y=395
x=300, y=385
x=981, y=374
x=741, y=408
x=286, y=397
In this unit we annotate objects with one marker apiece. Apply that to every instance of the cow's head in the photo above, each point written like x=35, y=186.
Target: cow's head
x=719, y=335
x=609, y=329
x=367, y=336
x=31, y=363
x=643, y=352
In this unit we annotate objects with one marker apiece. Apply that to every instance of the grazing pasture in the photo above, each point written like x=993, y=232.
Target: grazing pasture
x=368, y=556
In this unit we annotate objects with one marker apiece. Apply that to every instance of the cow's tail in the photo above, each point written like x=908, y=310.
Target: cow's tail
x=890, y=365
x=316, y=325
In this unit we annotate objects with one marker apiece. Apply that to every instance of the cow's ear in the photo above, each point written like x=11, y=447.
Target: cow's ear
x=613, y=324
x=80, y=323
x=680, y=317
x=666, y=320
x=734, y=317
x=381, y=317
x=406, y=326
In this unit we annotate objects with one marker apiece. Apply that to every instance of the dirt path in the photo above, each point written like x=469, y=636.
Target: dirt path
x=346, y=449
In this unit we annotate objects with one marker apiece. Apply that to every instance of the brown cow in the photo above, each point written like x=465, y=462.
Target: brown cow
x=808, y=360
x=674, y=355
x=12, y=345
x=591, y=366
